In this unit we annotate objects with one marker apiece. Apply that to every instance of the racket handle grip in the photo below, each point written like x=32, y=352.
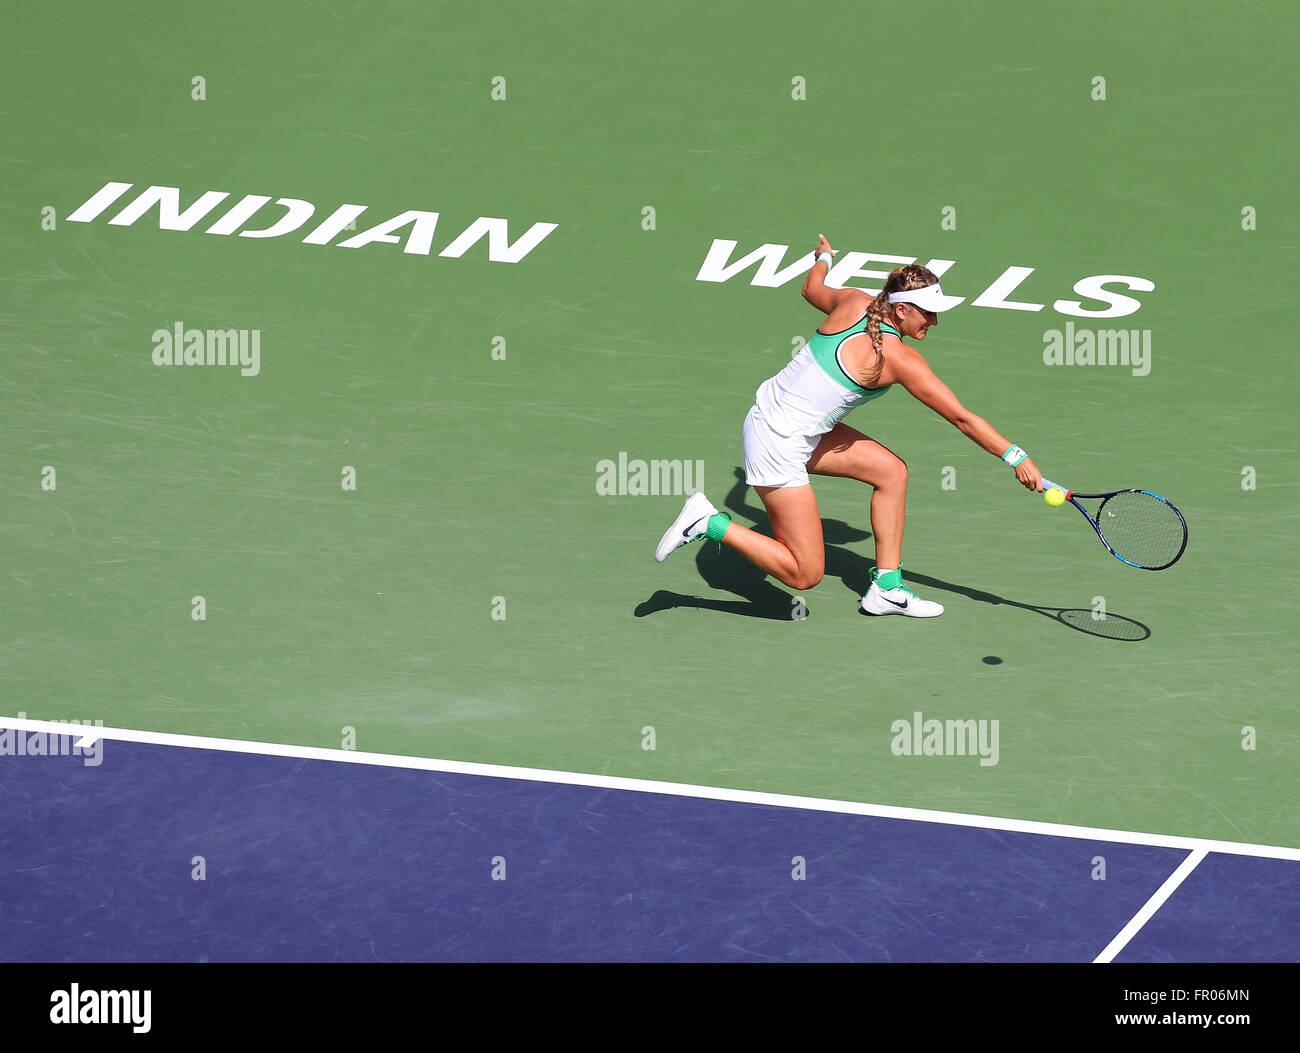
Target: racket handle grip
x=1048, y=484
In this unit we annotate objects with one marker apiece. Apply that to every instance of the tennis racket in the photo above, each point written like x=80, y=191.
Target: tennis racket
x=1137, y=527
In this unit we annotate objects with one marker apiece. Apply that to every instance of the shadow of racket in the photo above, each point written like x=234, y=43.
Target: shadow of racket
x=1084, y=620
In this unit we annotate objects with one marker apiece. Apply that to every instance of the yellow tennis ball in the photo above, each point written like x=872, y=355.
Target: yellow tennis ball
x=1055, y=497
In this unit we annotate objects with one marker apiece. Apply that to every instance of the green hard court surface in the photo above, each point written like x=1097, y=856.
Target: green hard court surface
x=476, y=474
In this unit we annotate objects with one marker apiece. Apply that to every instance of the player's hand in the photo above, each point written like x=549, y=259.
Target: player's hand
x=1028, y=475
x=824, y=246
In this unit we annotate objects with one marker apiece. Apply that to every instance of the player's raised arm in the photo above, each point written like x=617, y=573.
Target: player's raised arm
x=815, y=290
x=915, y=374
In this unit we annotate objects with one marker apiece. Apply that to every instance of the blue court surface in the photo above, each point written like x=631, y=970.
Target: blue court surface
x=162, y=852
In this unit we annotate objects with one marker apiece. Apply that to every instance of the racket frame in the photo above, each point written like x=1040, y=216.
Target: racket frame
x=1070, y=496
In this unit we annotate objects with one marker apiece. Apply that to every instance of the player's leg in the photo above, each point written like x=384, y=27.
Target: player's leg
x=847, y=453
x=776, y=466
x=796, y=555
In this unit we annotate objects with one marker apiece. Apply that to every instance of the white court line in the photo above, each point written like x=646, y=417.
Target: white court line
x=676, y=789
x=1152, y=905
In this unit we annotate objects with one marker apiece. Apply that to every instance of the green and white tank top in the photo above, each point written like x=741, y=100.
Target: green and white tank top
x=814, y=392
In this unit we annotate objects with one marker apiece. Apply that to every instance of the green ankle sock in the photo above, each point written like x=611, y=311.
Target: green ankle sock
x=889, y=579
x=717, y=526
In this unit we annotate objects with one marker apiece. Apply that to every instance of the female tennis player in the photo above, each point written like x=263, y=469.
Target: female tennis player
x=796, y=427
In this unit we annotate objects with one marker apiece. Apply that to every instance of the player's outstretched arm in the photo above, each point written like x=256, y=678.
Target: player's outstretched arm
x=921, y=382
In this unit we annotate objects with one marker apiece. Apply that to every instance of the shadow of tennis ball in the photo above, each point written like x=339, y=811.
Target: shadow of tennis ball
x=992, y=660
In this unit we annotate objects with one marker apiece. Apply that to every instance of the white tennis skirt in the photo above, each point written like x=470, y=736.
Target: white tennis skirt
x=772, y=459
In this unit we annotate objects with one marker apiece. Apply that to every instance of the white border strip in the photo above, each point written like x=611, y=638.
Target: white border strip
x=1152, y=905
x=676, y=789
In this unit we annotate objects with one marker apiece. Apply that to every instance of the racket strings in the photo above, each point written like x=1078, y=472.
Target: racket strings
x=1142, y=528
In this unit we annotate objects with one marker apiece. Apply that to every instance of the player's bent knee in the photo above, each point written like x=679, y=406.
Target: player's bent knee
x=807, y=579
x=898, y=473
x=889, y=475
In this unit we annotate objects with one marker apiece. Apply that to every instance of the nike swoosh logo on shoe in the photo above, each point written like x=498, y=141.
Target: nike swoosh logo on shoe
x=690, y=531
x=902, y=606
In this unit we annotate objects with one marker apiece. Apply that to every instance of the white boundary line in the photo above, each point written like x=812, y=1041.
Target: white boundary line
x=676, y=789
x=1151, y=906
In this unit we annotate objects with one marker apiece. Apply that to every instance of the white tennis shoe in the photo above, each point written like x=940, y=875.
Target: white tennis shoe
x=687, y=527
x=900, y=600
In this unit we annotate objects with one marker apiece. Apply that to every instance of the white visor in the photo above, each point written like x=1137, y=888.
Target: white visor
x=928, y=298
